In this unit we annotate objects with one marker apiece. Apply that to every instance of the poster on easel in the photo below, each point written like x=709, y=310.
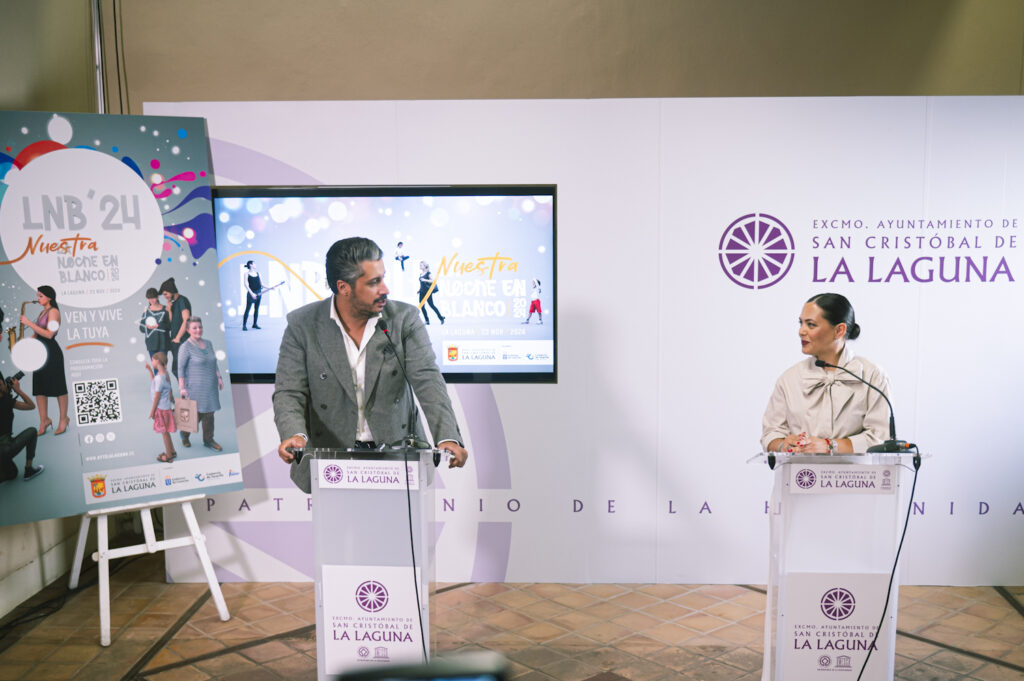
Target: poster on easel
x=111, y=316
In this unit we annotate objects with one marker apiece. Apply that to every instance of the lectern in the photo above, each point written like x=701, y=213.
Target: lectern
x=373, y=556
x=836, y=524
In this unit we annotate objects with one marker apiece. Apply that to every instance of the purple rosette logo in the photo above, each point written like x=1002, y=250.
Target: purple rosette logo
x=756, y=251
x=838, y=604
x=333, y=474
x=805, y=478
x=371, y=596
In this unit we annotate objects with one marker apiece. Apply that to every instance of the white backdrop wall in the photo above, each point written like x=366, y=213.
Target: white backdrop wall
x=632, y=467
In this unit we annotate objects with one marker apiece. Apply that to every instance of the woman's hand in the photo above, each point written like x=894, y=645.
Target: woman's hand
x=814, y=445
x=220, y=382
x=184, y=393
x=793, y=442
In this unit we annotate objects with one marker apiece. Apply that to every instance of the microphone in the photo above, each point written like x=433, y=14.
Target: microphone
x=410, y=440
x=892, y=445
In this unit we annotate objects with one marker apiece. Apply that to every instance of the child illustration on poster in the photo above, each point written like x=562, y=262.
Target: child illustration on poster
x=96, y=212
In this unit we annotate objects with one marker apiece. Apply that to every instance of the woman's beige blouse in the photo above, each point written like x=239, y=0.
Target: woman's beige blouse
x=832, y=404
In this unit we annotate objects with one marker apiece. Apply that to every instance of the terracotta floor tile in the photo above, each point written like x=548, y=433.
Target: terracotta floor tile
x=670, y=633
x=967, y=623
x=948, y=660
x=637, y=621
x=701, y=622
x=643, y=670
x=640, y=645
x=225, y=664
x=750, y=599
x=574, y=599
x=481, y=608
x=605, y=611
x=180, y=674
x=661, y=591
x=54, y=671
x=724, y=591
x=571, y=669
x=604, y=590
x=696, y=600
x=515, y=599
x=509, y=620
x=537, y=656
x=633, y=600
x=507, y=643
x=15, y=670
x=607, y=658
x=294, y=666
x=675, y=658
x=27, y=652
x=487, y=588
x=541, y=631
x=991, y=672
x=162, y=658
x=729, y=611
x=545, y=609
x=666, y=611
x=574, y=620
x=606, y=632
x=548, y=590
x=574, y=644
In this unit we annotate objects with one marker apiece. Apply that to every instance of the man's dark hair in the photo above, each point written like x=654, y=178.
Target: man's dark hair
x=346, y=257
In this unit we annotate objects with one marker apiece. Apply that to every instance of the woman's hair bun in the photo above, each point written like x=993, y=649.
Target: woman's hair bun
x=852, y=331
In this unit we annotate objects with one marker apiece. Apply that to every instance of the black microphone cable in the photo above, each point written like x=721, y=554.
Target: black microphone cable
x=408, y=442
x=892, y=573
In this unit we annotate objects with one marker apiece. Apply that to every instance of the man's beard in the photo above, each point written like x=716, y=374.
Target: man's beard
x=371, y=311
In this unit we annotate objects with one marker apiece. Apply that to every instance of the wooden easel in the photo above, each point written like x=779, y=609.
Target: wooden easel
x=105, y=554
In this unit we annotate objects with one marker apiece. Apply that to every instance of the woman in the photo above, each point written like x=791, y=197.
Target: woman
x=426, y=281
x=820, y=410
x=156, y=324
x=49, y=380
x=200, y=380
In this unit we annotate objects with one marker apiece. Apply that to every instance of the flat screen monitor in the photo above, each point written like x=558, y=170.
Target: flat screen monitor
x=479, y=262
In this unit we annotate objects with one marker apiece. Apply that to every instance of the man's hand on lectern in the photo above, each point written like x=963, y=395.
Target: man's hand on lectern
x=294, y=442
x=458, y=452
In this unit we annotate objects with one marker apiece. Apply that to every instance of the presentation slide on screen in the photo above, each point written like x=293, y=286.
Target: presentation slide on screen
x=479, y=267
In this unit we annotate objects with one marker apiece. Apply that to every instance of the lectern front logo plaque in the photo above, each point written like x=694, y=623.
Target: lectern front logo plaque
x=333, y=473
x=372, y=596
x=805, y=478
x=838, y=604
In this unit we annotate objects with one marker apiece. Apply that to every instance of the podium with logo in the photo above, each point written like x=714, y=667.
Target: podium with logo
x=836, y=524
x=373, y=549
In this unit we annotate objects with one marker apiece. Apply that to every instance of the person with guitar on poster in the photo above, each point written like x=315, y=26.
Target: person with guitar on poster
x=254, y=290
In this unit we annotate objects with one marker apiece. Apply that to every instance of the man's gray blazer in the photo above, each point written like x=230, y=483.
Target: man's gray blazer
x=314, y=392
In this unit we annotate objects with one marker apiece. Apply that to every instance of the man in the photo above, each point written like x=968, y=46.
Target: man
x=339, y=383
x=181, y=309
x=13, y=397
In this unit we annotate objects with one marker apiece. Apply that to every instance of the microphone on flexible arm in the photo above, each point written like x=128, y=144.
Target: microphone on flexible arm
x=409, y=440
x=892, y=445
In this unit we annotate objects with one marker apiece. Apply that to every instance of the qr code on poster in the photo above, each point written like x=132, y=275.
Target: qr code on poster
x=97, y=402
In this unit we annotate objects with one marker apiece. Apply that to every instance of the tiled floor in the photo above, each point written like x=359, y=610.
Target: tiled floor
x=595, y=632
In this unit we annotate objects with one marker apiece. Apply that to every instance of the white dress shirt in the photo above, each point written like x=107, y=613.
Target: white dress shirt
x=357, y=364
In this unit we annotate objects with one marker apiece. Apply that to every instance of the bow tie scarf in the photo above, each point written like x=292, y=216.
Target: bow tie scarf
x=826, y=394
